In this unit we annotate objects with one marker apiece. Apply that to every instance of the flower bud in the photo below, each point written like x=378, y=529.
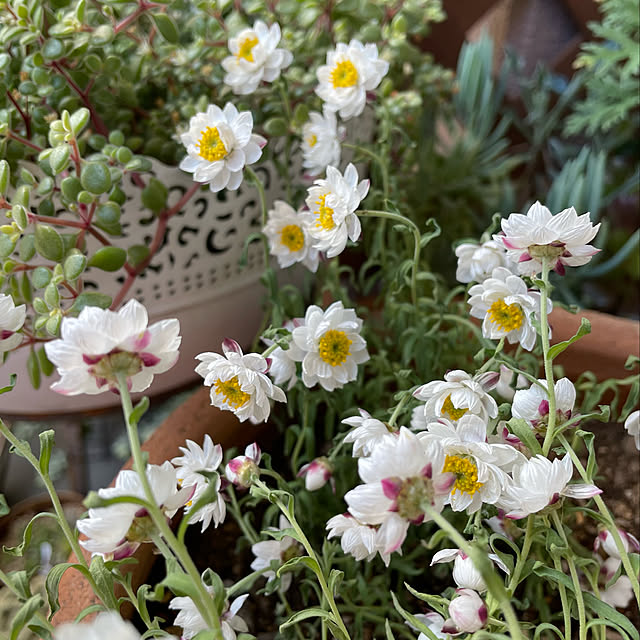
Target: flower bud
x=608, y=544
x=468, y=613
x=316, y=473
x=243, y=470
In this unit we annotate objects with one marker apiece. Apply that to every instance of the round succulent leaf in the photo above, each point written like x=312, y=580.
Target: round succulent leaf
x=59, y=158
x=7, y=245
x=52, y=49
x=90, y=299
x=27, y=247
x=108, y=258
x=137, y=254
x=40, y=278
x=96, y=178
x=53, y=324
x=52, y=295
x=5, y=175
x=70, y=188
x=74, y=265
x=49, y=243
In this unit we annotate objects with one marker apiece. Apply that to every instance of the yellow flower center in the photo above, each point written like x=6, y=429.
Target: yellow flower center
x=325, y=214
x=507, y=316
x=334, y=347
x=312, y=140
x=466, y=473
x=232, y=392
x=211, y=146
x=448, y=409
x=344, y=74
x=292, y=237
x=246, y=46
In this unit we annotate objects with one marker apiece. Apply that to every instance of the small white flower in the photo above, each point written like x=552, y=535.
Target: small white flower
x=107, y=625
x=288, y=236
x=109, y=529
x=505, y=307
x=504, y=388
x=400, y=476
x=350, y=72
x=255, y=57
x=188, y=467
x=606, y=542
x=332, y=202
x=532, y=404
x=239, y=382
x=459, y=394
x=366, y=434
x=275, y=550
x=357, y=539
x=465, y=574
x=479, y=467
x=632, y=425
x=467, y=612
x=434, y=622
x=283, y=362
x=99, y=344
x=539, y=482
x=476, y=262
x=11, y=321
x=192, y=622
x=316, y=474
x=219, y=144
x=321, y=142
x=243, y=470
x=332, y=345
x=562, y=238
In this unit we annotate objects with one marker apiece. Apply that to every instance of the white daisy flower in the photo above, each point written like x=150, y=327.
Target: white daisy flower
x=357, y=539
x=399, y=476
x=479, y=467
x=321, y=142
x=467, y=613
x=350, y=72
x=332, y=202
x=563, y=238
x=457, y=395
x=116, y=531
x=11, y=321
x=219, y=144
x=476, y=262
x=367, y=432
x=99, y=344
x=188, y=468
x=191, y=622
x=239, y=382
x=243, y=470
x=465, y=574
x=288, y=236
x=505, y=307
x=532, y=404
x=255, y=57
x=107, y=625
x=632, y=425
x=275, y=550
x=538, y=482
x=332, y=345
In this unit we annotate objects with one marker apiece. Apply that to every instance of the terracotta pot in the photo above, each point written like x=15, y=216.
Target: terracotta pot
x=192, y=420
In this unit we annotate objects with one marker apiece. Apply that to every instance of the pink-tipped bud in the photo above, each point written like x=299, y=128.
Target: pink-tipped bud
x=467, y=612
x=243, y=470
x=316, y=474
x=606, y=541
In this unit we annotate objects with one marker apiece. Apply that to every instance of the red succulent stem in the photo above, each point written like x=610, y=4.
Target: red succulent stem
x=25, y=117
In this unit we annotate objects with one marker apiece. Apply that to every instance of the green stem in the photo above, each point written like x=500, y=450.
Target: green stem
x=263, y=208
x=4, y=578
x=480, y=560
x=234, y=507
x=490, y=361
x=301, y=436
x=269, y=350
x=144, y=616
x=602, y=507
x=522, y=558
x=204, y=601
x=582, y=618
x=289, y=610
x=548, y=362
x=398, y=408
x=566, y=609
x=381, y=163
x=328, y=594
x=396, y=217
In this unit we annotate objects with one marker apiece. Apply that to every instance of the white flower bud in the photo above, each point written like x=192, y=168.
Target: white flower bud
x=468, y=613
x=316, y=473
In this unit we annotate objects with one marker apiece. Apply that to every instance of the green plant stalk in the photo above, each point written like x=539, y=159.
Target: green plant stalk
x=522, y=558
x=234, y=507
x=134, y=602
x=204, y=602
x=312, y=554
x=480, y=560
x=303, y=427
x=582, y=618
x=398, y=408
x=388, y=215
x=72, y=540
x=566, y=609
x=263, y=210
x=490, y=361
x=289, y=610
x=4, y=578
x=602, y=507
x=379, y=161
x=548, y=362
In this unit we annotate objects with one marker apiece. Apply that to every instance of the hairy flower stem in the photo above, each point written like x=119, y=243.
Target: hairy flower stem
x=522, y=558
x=396, y=217
x=562, y=590
x=612, y=528
x=204, y=602
x=301, y=436
x=398, y=408
x=327, y=593
x=245, y=527
x=484, y=565
x=582, y=618
x=548, y=362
